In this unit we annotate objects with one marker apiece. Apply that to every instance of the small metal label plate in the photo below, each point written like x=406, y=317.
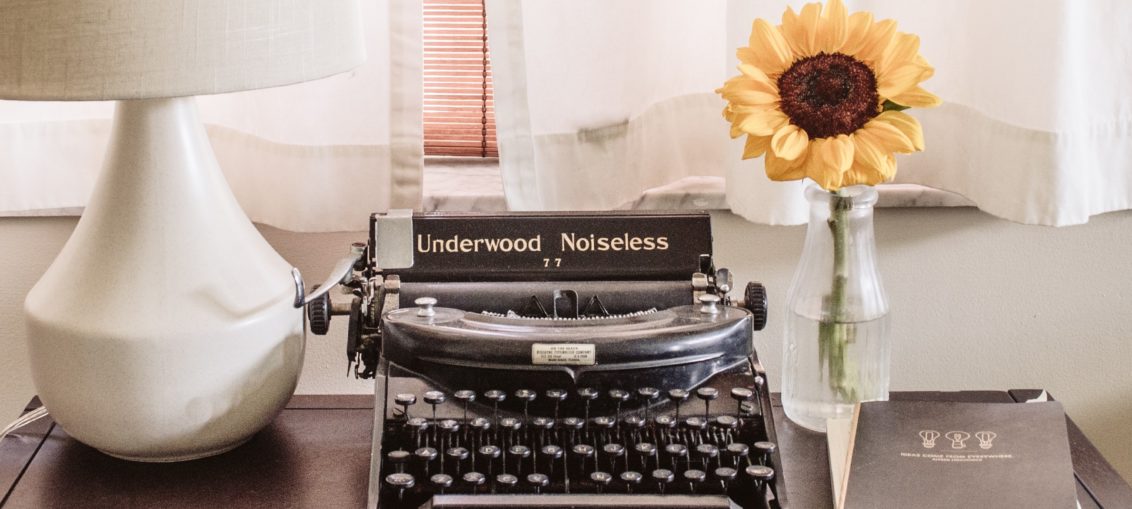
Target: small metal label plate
x=564, y=354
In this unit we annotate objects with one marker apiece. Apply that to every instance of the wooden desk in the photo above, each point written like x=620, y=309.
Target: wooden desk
x=316, y=454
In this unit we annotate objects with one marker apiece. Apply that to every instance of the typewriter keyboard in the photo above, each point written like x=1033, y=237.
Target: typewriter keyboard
x=578, y=447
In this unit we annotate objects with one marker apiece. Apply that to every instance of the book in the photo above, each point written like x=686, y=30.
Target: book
x=933, y=454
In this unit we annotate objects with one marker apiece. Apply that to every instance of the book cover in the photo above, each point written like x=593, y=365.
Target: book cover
x=929, y=454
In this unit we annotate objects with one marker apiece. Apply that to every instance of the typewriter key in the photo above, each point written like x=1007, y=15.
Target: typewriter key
x=441, y=482
x=398, y=458
x=506, y=481
x=588, y=394
x=449, y=428
x=662, y=476
x=465, y=396
x=601, y=479
x=726, y=422
x=738, y=451
x=647, y=395
x=457, y=455
x=405, y=401
x=694, y=478
x=631, y=478
x=618, y=396
x=526, y=396
x=760, y=384
x=645, y=450
x=426, y=455
x=725, y=476
x=553, y=453
x=707, y=453
x=676, y=452
x=520, y=453
x=557, y=396
x=665, y=424
x=764, y=450
x=760, y=474
x=678, y=396
x=538, y=482
x=613, y=451
x=475, y=480
x=583, y=452
x=741, y=395
x=496, y=397
x=400, y=482
x=633, y=423
x=707, y=395
x=488, y=453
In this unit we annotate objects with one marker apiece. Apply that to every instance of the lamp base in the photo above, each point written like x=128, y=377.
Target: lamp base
x=165, y=330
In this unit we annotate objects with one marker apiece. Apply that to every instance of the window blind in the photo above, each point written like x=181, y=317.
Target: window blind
x=459, y=116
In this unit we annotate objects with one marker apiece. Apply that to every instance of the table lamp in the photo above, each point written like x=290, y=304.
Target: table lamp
x=166, y=329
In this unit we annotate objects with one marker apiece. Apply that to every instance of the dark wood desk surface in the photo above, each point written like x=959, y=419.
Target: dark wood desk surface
x=316, y=454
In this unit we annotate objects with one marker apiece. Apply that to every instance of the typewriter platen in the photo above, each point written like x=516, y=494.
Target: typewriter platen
x=557, y=360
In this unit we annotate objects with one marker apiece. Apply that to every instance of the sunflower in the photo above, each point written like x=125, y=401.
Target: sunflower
x=822, y=94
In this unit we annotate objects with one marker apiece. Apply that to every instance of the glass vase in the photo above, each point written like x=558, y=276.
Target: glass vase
x=837, y=339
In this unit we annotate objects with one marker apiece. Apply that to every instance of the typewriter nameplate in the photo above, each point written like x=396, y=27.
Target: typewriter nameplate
x=564, y=354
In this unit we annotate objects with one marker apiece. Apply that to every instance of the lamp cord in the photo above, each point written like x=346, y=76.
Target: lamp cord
x=24, y=420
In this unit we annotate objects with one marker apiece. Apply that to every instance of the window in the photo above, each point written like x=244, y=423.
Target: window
x=459, y=116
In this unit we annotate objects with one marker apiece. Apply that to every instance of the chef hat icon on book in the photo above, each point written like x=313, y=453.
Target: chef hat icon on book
x=958, y=439
x=985, y=438
x=929, y=436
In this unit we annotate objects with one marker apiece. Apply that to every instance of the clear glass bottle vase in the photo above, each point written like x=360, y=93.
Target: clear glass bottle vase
x=837, y=338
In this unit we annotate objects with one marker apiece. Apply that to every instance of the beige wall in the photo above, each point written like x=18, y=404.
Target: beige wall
x=977, y=303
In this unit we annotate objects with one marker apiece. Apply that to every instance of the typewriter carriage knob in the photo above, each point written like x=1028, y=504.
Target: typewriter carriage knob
x=755, y=301
x=318, y=313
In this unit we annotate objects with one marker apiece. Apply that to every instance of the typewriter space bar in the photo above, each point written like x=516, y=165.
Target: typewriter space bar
x=558, y=501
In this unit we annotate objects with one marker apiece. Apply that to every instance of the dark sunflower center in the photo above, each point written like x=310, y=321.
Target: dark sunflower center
x=829, y=94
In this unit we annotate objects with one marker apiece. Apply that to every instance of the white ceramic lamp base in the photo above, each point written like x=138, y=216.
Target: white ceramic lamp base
x=166, y=328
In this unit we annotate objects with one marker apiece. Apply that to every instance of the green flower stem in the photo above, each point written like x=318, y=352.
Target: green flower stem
x=836, y=332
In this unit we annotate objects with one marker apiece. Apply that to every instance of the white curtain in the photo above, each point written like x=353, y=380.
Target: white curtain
x=598, y=101
x=317, y=156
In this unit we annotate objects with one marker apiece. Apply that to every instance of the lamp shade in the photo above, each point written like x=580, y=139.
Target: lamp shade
x=134, y=49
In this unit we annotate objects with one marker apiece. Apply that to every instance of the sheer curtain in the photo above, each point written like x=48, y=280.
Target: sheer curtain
x=599, y=101
x=318, y=156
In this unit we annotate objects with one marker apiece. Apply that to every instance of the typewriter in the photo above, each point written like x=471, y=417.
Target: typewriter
x=556, y=360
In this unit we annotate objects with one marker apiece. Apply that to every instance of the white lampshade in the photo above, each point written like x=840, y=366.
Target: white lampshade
x=132, y=49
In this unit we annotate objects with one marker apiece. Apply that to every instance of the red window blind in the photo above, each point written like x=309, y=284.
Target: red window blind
x=459, y=116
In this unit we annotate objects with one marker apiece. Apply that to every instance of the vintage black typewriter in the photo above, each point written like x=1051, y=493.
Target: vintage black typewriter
x=557, y=360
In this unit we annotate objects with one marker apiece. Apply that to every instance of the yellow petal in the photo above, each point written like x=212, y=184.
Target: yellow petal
x=758, y=78
x=755, y=146
x=782, y=170
x=790, y=142
x=835, y=27
x=750, y=96
x=876, y=41
x=762, y=124
x=888, y=137
x=801, y=30
x=917, y=98
x=826, y=176
x=867, y=153
x=768, y=50
x=907, y=124
x=857, y=30
x=838, y=153
x=897, y=81
x=902, y=51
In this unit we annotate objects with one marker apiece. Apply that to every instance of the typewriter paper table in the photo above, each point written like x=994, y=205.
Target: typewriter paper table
x=316, y=454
